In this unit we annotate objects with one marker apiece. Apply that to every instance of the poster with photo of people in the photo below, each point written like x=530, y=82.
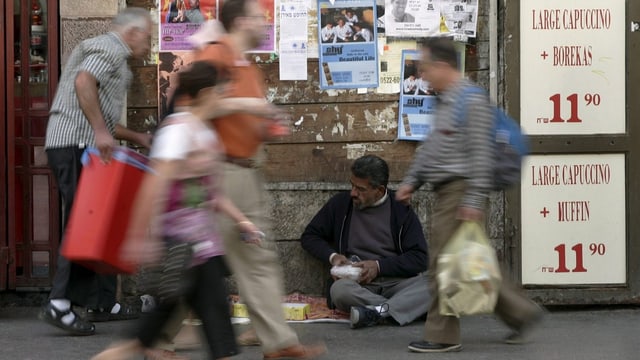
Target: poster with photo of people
x=169, y=64
x=181, y=18
x=412, y=18
x=268, y=44
x=348, y=44
x=423, y=18
x=417, y=99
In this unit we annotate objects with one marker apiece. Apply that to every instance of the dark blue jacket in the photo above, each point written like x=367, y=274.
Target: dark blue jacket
x=328, y=232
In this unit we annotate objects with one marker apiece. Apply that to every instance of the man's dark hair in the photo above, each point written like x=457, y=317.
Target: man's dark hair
x=442, y=49
x=199, y=75
x=232, y=9
x=372, y=168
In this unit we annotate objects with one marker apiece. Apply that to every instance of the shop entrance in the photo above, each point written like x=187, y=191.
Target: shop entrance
x=571, y=74
x=30, y=226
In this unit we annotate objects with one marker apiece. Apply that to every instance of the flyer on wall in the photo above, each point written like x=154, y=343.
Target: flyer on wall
x=460, y=17
x=268, y=44
x=181, y=18
x=169, y=64
x=348, y=44
x=417, y=100
x=390, y=53
x=412, y=18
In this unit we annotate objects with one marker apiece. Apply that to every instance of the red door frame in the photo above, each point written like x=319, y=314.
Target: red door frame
x=4, y=244
x=22, y=225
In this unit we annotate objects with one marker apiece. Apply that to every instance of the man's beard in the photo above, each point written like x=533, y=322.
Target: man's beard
x=358, y=205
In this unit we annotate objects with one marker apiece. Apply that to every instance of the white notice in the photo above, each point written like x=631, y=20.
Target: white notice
x=573, y=219
x=572, y=67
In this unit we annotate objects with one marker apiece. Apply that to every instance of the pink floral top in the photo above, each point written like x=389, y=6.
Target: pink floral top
x=189, y=216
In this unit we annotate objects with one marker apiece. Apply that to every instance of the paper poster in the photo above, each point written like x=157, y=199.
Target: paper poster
x=293, y=20
x=460, y=17
x=269, y=41
x=579, y=48
x=412, y=18
x=574, y=219
x=181, y=18
x=417, y=97
x=293, y=39
x=293, y=59
x=169, y=64
x=390, y=52
x=348, y=44
x=417, y=100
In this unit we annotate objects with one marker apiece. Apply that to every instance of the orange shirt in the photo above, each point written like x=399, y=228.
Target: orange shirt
x=240, y=133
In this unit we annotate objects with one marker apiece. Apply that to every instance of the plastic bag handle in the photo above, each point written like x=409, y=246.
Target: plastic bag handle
x=119, y=154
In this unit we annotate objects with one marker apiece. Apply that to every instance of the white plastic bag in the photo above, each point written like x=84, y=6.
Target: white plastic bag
x=346, y=272
x=468, y=273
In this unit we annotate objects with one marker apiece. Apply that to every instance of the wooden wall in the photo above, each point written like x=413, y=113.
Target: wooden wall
x=306, y=168
x=337, y=125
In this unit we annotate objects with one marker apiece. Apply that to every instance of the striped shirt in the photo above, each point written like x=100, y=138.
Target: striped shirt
x=458, y=148
x=104, y=57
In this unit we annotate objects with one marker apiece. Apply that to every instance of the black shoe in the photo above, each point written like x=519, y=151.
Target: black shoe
x=520, y=335
x=53, y=316
x=101, y=315
x=430, y=347
x=362, y=317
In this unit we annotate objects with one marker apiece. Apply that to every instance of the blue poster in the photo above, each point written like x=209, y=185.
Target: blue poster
x=348, y=44
x=417, y=100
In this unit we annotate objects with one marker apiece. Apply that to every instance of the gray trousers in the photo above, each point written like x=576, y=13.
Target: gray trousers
x=407, y=298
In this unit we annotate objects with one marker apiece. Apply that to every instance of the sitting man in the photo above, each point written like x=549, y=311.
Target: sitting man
x=385, y=239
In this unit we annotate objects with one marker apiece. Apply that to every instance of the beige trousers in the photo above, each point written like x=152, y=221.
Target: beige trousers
x=256, y=269
x=513, y=308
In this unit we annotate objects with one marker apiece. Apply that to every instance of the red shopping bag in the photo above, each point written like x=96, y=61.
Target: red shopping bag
x=101, y=210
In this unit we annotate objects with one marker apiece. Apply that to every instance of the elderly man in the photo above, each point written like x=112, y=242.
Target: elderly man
x=384, y=240
x=86, y=112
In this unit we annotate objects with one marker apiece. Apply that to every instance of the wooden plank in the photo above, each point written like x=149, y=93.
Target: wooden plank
x=142, y=119
x=331, y=162
x=320, y=122
x=366, y=121
x=143, y=91
x=147, y=4
x=309, y=92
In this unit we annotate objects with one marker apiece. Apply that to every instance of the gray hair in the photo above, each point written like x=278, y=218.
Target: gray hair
x=133, y=17
x=372, y=168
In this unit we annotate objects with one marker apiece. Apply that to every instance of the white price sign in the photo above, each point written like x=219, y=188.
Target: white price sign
x=573, y=219
x=572, y=66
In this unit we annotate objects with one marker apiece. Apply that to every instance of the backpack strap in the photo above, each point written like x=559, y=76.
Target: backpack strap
x=461, y=110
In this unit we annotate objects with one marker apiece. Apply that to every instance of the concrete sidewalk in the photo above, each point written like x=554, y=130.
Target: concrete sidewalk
x=584, y=334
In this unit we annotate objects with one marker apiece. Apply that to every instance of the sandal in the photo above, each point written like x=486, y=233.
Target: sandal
x=125, y=313
x=53, y=316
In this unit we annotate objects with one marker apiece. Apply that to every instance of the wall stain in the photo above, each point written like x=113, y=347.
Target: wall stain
x=381, y=121
x=355, y=151
x=338, y=129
